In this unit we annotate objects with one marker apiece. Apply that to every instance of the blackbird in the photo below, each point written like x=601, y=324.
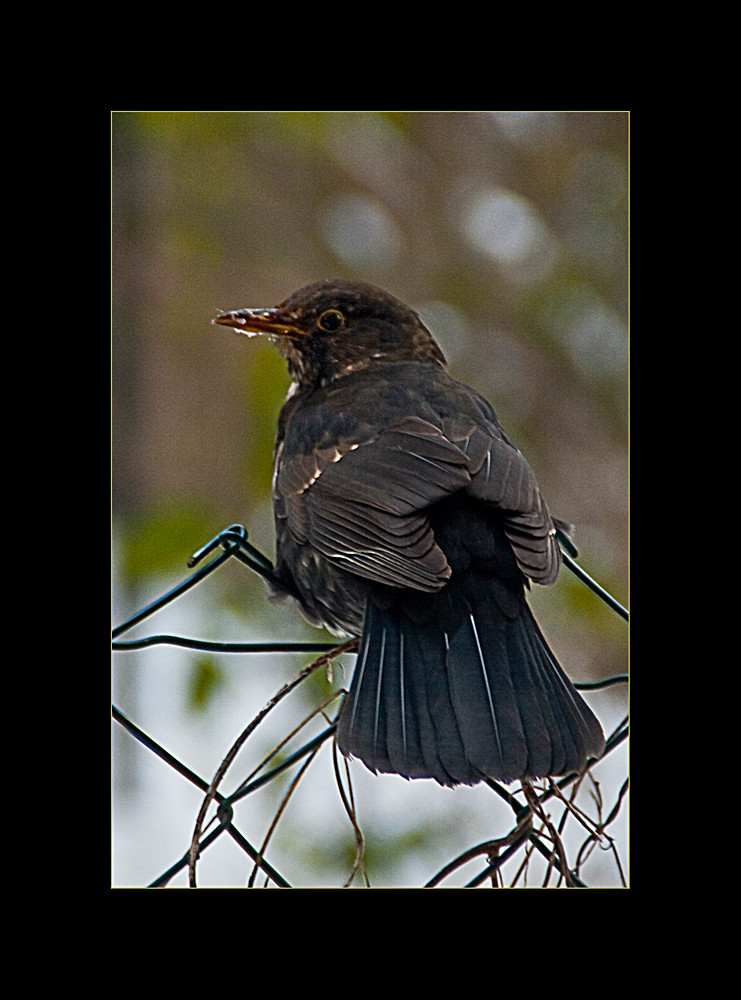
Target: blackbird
x=405, y=515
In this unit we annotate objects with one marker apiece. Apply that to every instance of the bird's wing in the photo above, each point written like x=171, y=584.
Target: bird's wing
x=363, y=504
x=501, y=476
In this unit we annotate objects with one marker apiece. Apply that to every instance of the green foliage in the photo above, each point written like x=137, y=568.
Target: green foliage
x=206, y=679
x=267, y=383
x=161, y=540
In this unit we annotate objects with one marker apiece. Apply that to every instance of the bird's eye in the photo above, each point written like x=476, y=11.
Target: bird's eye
x=330, y=320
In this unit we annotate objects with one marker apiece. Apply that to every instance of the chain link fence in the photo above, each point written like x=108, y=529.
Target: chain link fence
x=555, y=826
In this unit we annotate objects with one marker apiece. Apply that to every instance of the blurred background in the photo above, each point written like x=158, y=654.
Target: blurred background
x=508, y=233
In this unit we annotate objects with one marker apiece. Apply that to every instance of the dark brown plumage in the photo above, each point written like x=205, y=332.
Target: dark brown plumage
x=406, y=516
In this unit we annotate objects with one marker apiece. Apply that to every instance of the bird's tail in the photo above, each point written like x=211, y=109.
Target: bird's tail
x=477, y=695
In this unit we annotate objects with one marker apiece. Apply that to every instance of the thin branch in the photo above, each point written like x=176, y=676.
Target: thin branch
x=226, y=763
x=348, y=802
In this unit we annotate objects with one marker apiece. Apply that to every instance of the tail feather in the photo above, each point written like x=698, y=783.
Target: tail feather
x=552, y=750
x=485, y=703
x=443, y=748
x=580, y=732
x=465, y=697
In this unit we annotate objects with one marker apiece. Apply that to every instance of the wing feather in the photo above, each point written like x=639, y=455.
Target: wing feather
x=365, y=504
x=501, y=475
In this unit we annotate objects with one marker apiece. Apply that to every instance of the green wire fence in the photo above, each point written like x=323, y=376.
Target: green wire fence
x=534, y=831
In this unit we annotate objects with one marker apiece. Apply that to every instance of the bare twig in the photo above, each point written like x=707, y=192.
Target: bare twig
x=226, y=763
x=348, y=802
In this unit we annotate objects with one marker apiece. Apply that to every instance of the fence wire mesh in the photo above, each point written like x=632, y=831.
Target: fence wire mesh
x=541, y=813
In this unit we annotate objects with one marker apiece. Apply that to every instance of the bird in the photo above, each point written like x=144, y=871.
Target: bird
x=405, y=516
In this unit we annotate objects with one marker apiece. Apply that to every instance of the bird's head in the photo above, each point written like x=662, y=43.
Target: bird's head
x=333, y=328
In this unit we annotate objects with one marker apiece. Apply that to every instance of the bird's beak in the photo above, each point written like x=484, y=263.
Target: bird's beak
x=270, y=322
